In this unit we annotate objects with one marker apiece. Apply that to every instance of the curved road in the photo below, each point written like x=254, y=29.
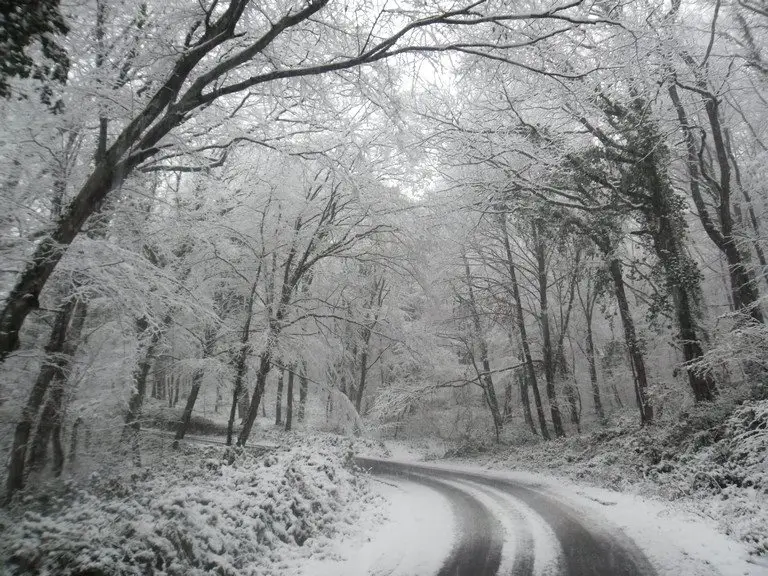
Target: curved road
x=511, y=528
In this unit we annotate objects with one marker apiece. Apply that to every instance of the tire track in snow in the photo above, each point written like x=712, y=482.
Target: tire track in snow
x=587, y=549
x=478, y=544
x=532, y=547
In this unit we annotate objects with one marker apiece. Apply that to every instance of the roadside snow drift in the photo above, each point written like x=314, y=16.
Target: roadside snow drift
x=203, y=513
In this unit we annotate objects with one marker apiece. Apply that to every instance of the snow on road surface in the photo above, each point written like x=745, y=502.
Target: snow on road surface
x=411, y=533
x=676, y=542
x=458, y=520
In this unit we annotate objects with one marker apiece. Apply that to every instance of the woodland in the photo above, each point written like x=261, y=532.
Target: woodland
x=483, y=221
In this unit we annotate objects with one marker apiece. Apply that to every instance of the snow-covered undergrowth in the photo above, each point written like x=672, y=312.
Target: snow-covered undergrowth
x=713, y=460
x=202, y=512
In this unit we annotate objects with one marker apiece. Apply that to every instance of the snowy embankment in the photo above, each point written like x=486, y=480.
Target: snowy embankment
x=409, y=533
x=201, y=512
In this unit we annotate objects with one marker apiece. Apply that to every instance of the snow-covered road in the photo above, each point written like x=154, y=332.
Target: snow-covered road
x=511, y=528
x=452, y=519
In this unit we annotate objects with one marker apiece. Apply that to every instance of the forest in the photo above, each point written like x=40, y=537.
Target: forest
x=484, y=224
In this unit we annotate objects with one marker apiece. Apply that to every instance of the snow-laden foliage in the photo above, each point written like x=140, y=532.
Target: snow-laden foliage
x=204, y=512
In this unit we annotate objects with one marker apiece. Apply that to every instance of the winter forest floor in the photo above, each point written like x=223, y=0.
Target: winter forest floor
x=692, y=495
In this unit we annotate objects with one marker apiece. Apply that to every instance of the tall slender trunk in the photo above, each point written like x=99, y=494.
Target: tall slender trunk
x=523, y=384
x=50, y=416
x=753, y=220
x=58, y=449
x=52, y=412
x=376, y=301
x=590, y=350
x=485, y=379
x=241, y=358
x=681, y=278
x=363, y=376
x=73, y=439
x=549, y=367
x=630, y=336
x=303, y=390
x=507, y=410
x=521, y=329
x=571, y=389
x=258, y=392
x=279, y=398
x=132, y=425
x=289, y=400
x=209, y=340
x=16, y=472
x=743, y=291
x=521, y=376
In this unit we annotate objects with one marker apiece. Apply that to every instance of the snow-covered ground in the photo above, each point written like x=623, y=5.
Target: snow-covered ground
x=677, y=543
x=678, y=540
x=203, y=510
x=301, y=511
x=410, y=532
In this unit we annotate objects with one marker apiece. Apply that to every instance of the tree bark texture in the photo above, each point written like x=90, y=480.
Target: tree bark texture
x=630, y=336
x=52, y=413
x=209, y=340
x=549, y=367
x=16, y=472
x=279, y=398
x=520, y=319
x=289, y=401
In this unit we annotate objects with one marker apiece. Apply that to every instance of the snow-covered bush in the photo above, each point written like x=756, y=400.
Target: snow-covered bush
x=196, y=515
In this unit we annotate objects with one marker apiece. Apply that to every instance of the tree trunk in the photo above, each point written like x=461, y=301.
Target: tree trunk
x=241, y=360
x=58, y=450
x=376, y=300
x=132, y=425
x=209, y=340
x=279, y=398
x=549, y=368
x=303, y=389
x=743, y=291
x=590, y=349
x=754, y=222
x=507, y=412
x=289, y=401
x=485, y=380
x=73, y=439
x=237, y=391
x=258, y=391
x=50, y=417
x=681, y=277
x=635, y=353
x=523, y=383
x=492, y=400
x=521, y=329
x=52, y=412
x=570, y=389
x=176, y=391
x=15, y=479
x=363, y=375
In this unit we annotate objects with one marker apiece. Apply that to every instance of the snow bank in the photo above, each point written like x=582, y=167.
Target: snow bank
x=200, y=513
